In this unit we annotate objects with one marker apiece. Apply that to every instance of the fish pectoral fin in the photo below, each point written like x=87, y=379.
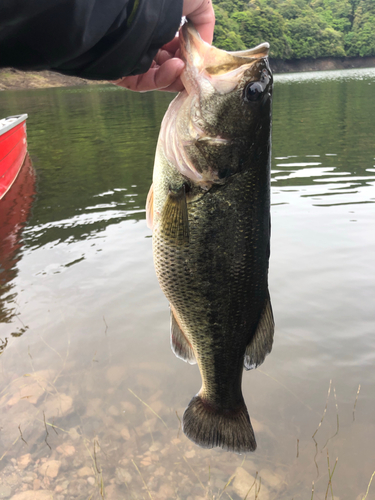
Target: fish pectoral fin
x=174, y=221
x=150, y=208
x=179, y=343
x=261, y=343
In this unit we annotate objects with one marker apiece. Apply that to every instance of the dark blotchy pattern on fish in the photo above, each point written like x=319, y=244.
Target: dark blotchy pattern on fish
x=217, y=285
x=211, y=249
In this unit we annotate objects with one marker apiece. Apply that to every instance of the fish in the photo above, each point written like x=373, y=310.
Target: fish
x=209, y=211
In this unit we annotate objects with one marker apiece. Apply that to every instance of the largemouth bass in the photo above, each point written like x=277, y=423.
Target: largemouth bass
x=209, y=208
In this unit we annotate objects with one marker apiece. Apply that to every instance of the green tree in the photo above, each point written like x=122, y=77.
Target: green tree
x=226, y=34
x=297, y=28
x=336, y=13
x=311, y=37
x=263, y=24
x=361, y=40
x=230, y=6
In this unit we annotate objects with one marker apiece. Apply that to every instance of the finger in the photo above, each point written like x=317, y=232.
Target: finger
x=128, y=82
x=202, y=15
x=157, y=77
x=173, y=45
x=176, y=86
x=163, y=76
x=162, y=56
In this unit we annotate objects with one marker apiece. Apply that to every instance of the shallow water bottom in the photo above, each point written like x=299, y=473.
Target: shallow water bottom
x=84, y=415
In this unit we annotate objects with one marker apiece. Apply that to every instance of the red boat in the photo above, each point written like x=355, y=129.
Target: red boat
x=13, y=149
x=15, y=210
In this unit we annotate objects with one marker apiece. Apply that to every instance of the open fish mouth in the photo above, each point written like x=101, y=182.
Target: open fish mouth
x=220, y=67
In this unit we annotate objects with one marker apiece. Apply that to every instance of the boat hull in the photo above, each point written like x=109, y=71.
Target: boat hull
x=15, y=209
x=13, y=147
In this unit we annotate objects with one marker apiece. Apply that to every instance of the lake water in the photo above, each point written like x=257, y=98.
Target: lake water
x=91, y=395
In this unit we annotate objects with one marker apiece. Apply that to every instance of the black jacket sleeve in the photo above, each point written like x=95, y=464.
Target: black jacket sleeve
x=94, y=39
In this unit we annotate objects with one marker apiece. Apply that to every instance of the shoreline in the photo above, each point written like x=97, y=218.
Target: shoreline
x=279, y=66
x=12, y=79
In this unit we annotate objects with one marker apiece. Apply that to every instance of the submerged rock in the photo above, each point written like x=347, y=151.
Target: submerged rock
x=66, y=450
x=78, y=487
x=160, y=471
x=23, y=461
x=128, y=407
x=29, y=478
x=125, y=434
x=147, y=427
x=271, y=479
x=31, y=391
x=58, y=405
x=122, y=476
x=5, y=491
x=33, y=495
x=85, y=472
x=166, y=491
x=37, y=483
x=30, y=387
x=50, y=468
x=190, y=454
x=243, y=481
x=113, y=411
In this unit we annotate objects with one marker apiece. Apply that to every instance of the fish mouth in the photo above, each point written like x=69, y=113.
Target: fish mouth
x=222, y=68
x=189, y=38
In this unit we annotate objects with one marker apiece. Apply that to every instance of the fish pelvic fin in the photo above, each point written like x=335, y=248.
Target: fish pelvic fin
x=179, y=343
x=261, y=343
x=150, y=208
x=208, y=426
x=174, y=223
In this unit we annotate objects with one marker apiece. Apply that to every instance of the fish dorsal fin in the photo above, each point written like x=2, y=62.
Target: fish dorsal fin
x=174, y=221
x=179, y=343
x=150, y=208
x=261, y=343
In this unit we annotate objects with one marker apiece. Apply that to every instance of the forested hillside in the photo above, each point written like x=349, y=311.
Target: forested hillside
x=297, y=28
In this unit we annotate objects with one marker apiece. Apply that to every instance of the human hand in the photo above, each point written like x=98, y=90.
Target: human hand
x=201, y=14
x=167, y=67
x=164, y=73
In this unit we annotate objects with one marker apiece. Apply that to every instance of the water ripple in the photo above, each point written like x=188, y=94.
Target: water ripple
x=316, y=181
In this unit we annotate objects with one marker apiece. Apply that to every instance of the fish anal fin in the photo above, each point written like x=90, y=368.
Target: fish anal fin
x=174, y=221
x=150, y=208
x=261, y=343
x=179, y=343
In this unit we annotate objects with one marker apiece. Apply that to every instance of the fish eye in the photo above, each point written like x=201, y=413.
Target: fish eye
x=253, y=91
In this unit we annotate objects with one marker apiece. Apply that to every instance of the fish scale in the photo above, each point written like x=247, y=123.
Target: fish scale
x=211, y=231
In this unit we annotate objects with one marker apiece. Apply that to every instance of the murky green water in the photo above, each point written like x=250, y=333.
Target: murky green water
x=91, y=394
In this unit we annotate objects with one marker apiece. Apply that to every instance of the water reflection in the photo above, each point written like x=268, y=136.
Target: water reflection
x=321, y=179
x=15, y=210
x=95, y=369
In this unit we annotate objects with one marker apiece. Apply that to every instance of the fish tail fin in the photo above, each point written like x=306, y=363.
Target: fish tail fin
x=209, y=427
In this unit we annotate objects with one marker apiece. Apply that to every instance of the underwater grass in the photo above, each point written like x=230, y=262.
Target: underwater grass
x=210, y=492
